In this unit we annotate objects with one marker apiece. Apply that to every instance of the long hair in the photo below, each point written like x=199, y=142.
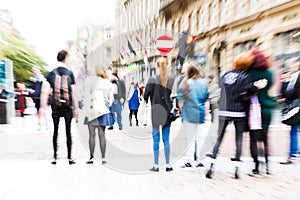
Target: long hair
x=243, y=61
x=101, y=71
x=260, y=61
x=192, y=73
x=162, y=65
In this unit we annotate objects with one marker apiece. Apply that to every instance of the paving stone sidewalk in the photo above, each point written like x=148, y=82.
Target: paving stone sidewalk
x=26, y=173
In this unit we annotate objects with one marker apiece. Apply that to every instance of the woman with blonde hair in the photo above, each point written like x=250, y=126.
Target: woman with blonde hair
x=158, y=89
x=104, y=87
x=234, y=104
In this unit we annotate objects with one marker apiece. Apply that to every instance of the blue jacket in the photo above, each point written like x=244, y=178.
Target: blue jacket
x=134, y=101
x=193, y=100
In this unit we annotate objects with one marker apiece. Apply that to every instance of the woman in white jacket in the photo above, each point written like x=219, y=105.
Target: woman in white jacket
x=100, y=117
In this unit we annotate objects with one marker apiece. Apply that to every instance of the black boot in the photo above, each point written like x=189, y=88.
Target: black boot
x=267, y=168
x=236, y=173
x=130, y=121
x=210, y=171
x=256, y=169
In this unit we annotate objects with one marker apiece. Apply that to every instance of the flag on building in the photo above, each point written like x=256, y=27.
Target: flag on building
x=121, y=55
x=131, y=48
x=125, y=51
x=140, y=42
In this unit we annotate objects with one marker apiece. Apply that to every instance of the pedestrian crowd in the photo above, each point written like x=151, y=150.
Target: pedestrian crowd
x=242, y=97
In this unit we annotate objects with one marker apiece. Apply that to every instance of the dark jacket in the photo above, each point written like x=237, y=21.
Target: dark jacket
x=121, y=89
x=160, y=98
x=235, y=92
x=293, y=93
x=267, y=102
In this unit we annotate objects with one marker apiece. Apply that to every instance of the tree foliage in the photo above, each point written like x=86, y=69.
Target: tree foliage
x=23, y=56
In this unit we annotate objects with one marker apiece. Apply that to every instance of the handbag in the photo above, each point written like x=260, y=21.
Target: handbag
x=172, y=107
x=291, y=113
x=255, y=113
x=173, y=115
x=98, y=104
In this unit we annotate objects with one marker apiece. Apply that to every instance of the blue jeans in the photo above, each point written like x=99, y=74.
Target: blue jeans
x=156, y=139
x=294, y=140
x=117, y=108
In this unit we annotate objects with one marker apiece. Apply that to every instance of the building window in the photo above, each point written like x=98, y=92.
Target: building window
x=108, y=34
x=211, y=15
x=196, y=21
x=287, y=42
x=239, y=8
x=254, y=5
x=200, y=21
x=244, y=46
x=223, y=11
x=108, y=52
x=191, y=22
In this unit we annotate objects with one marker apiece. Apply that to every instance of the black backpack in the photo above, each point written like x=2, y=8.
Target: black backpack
x=62, y=94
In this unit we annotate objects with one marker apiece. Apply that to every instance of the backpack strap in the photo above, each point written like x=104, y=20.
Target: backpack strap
x=61, y=89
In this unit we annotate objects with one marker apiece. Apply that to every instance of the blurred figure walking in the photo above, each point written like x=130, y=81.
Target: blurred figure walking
x=192, y=96
x=98, y=120
x=158, y=89
x=119, y=99
x=21, y=98
x=257, y=71
x=37, y=81
x=214, y=96
x=290, y=92
x=234, y=104
x=64, y=104
x=134, y=103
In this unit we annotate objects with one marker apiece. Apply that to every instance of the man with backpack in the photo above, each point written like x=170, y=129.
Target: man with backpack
x=61, y=81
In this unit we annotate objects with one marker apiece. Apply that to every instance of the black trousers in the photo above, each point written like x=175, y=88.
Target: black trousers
x=67, y=115
x=133, y=112
x=240, y=127
x=255, y=137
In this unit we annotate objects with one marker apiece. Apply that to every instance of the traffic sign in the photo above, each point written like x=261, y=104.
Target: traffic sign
x=201, y=59
x=164, y=44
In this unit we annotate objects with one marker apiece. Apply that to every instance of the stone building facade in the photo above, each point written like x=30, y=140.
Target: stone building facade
x=90, y=48
x=222, y=28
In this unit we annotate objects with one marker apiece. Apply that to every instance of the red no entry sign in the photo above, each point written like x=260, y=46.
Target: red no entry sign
x=164, y=44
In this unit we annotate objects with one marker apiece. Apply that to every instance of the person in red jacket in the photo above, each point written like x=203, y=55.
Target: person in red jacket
x=21, y=101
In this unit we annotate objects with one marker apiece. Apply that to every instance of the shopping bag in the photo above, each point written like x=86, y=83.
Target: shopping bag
x=255, y=114
x=291, y=113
